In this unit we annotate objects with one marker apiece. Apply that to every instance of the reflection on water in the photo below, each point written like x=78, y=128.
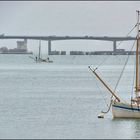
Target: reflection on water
x=136, y=129
x=61, y=99
x=130, y=127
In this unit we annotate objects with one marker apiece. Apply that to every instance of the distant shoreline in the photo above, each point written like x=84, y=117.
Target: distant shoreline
x=16, y=53
x=68, y=55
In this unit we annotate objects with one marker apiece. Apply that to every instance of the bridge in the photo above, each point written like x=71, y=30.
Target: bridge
x=57, y=38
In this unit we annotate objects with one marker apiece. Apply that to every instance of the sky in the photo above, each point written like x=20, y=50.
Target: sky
x=67, y=18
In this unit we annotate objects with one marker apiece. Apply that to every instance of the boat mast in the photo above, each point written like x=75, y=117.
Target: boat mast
x=39, y=49
x=137, y=57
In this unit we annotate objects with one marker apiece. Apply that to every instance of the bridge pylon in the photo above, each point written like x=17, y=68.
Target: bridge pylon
x=49, y=47
x=114, y=46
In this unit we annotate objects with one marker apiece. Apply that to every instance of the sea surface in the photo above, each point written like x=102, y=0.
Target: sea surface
x=63, y=99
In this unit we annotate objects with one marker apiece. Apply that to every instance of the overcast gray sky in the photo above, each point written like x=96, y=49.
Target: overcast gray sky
x=67, y=18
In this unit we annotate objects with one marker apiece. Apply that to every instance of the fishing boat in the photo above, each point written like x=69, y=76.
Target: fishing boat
x=39, y=59
x=129, y=109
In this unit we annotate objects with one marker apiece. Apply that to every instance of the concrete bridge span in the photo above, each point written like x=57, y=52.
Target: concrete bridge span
x=57, y=38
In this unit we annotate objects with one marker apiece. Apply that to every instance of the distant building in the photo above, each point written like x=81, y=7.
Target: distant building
x=58, y=52
x=63, y=53
x=89, y=53
x=55, y=52
x=3, y=49
x=120, y=50
x=103, y=52
x=22, y=45
x=77, y=53
x=21, y=49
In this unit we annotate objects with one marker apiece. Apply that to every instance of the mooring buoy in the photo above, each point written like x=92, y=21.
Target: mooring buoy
x=101, y=115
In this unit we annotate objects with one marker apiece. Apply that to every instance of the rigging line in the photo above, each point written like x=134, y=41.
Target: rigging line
x=124, y=67
x=127, y=35
x=133, y=81
x=101, y=93
x=108, y=108
x=117, y=46
x=102, y=62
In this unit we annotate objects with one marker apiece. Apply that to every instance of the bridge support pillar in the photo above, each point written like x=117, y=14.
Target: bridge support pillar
x=49, y=47
x=25, y=44
x=114, y=46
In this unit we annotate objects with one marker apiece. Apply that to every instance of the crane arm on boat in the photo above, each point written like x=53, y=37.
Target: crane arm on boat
x=114, y=94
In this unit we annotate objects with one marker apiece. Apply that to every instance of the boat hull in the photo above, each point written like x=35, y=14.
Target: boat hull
x=45, y=61
x=124, y=110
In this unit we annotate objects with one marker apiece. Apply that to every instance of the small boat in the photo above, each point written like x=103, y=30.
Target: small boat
x=39, y=59
x=131, y=109
x=44, y=60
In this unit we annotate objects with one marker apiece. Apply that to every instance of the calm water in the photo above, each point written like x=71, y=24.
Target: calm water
x=62, y=99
